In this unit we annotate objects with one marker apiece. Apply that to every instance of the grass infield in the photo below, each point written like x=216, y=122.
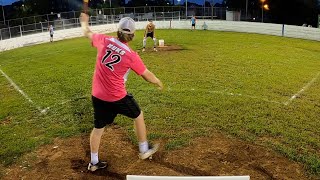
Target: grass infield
x=236, y=83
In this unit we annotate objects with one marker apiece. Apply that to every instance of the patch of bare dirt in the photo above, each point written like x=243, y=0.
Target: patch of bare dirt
x=6, y=121
x=214, y=156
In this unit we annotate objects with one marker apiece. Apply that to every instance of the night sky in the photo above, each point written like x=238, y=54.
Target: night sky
x=7, y=2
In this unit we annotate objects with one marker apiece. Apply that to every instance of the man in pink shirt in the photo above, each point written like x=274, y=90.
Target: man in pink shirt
x=114, y=61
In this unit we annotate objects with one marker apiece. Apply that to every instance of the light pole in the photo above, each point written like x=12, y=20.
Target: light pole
x=110, y=3
x=246, y=9
x=204, y=8
x=262, y=1
x=186, y=9
x=4, y=18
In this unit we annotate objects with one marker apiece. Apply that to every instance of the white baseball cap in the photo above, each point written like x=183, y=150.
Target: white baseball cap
x=127, y=25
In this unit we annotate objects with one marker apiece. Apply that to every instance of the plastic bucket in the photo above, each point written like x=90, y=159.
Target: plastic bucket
x=161, y=42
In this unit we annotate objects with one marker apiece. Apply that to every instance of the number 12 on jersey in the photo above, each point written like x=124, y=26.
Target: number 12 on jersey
x=115, y=59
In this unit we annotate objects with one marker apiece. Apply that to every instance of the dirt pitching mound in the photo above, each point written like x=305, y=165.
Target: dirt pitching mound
x=216, y=155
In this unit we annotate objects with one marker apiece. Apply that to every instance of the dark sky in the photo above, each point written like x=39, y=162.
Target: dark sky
x=7, y=2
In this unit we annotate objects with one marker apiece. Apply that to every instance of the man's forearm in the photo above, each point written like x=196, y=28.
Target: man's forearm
x=150, y=77
x=86, y=30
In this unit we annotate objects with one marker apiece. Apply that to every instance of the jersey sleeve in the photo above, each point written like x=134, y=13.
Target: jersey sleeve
x=137, y=64
x=98, y=40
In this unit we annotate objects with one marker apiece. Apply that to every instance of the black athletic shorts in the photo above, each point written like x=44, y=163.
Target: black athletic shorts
x=150, y=34
x=51, y=35
x=194, y=24
x=105, y=112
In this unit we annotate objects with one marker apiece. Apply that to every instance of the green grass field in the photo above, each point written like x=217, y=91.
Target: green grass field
x=239, y=84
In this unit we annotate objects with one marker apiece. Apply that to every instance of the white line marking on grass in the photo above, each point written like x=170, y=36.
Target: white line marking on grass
x=302, y=90
x=23, y=93
x=248, y=96
x=227, y=93
x=69, y=100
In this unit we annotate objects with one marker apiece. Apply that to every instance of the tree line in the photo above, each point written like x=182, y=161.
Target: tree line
x=295, y=12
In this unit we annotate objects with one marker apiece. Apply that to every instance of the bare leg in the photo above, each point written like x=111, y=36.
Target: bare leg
x=154, y=44
x=140, y=128
x=144, y=43
x=144, y=148
x=95, y=138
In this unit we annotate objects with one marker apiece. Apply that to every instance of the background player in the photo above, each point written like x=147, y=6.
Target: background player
x=150, y=32
x=193, y=22
x=50, y=29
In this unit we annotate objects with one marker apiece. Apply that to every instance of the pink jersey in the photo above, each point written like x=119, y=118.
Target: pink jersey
x=113, y=64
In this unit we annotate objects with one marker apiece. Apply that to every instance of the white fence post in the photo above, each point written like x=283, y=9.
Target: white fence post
x=41, y=26
x=35, y=23
x=9, y=32
x=20, y=30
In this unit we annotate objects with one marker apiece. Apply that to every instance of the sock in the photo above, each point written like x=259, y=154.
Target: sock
x=143, y=146
x=144, y=42
x=94, y=158
x=154, y=42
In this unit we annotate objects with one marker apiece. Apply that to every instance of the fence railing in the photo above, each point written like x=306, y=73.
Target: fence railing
x=96, y=19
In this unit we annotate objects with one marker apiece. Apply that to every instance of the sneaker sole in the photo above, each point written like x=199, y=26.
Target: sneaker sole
x=94, y=168
x=150, y=152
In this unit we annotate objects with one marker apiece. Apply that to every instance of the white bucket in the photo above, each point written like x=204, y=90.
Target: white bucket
x=161, y=42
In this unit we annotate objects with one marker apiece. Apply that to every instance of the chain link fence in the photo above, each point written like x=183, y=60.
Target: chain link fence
x=64, y=20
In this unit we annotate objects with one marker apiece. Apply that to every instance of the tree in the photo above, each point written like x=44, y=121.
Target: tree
x=295, y=12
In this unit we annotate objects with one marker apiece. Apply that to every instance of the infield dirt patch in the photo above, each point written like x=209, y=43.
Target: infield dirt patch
x=216, y=155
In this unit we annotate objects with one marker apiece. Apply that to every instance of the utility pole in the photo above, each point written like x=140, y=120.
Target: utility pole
x=262, y=1
x=4, y=17
x=186, y=9
x=246, y=9
x=204, y=8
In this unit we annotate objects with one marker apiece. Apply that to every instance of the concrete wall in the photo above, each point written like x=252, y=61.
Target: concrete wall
x=237, y=26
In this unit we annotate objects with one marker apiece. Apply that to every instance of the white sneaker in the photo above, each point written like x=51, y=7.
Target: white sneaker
x=143, y=50
x=99, y=165
x=152, y=149
x=155, y=49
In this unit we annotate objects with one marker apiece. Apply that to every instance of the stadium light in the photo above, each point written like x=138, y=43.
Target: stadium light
x=4, y=17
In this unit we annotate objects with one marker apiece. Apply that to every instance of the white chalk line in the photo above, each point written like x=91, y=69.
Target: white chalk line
x=302, y=90
x=68, y=101
x=16, y=87
x=224, y=93
x=170, y=89
x=248, y=96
